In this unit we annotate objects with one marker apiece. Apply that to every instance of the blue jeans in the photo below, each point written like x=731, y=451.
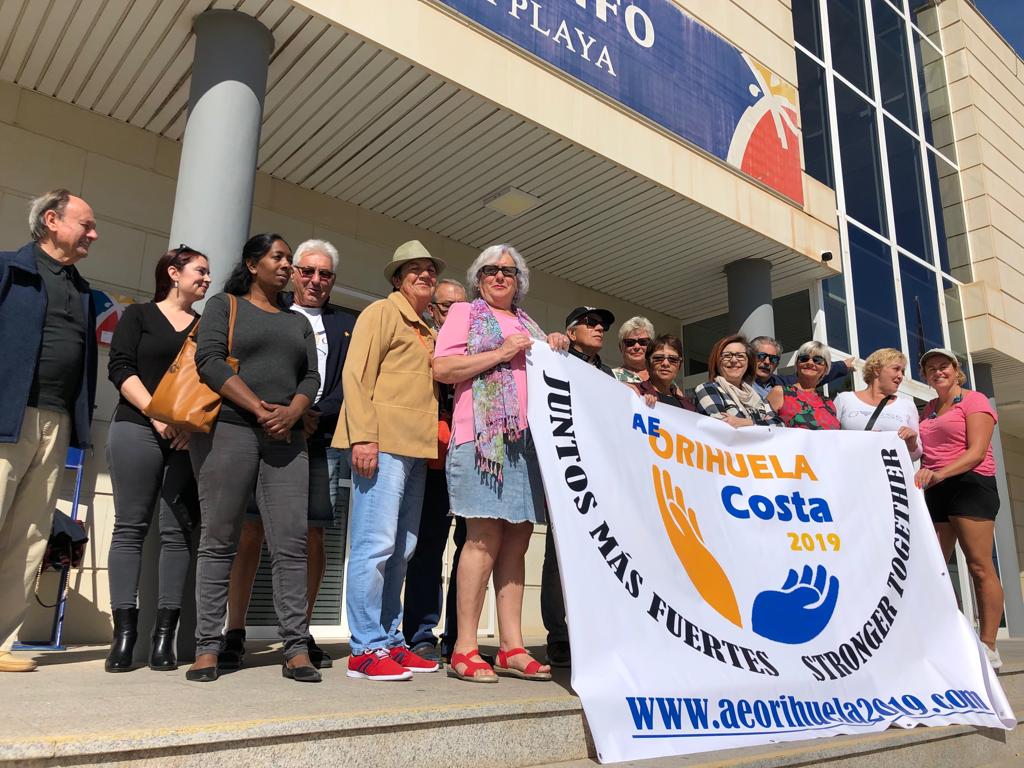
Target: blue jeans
x=385, y=520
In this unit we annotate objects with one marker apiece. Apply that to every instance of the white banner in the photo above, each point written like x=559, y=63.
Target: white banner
x=731, y=587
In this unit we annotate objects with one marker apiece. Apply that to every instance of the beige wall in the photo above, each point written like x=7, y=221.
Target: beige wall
x=986, y=93
x=128, y=176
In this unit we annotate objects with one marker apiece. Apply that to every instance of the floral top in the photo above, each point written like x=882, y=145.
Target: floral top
x=806, y=409
x=626, y=376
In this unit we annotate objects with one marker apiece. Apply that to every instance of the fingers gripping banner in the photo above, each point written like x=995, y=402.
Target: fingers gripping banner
x=731, y=587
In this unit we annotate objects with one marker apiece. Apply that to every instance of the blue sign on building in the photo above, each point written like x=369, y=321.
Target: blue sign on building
x=655, y=59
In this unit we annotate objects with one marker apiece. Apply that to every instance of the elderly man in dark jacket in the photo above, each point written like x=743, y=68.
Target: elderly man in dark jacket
x=48, y=338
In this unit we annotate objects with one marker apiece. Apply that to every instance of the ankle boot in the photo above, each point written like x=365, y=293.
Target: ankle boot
x=126, y=621
x=162, y=654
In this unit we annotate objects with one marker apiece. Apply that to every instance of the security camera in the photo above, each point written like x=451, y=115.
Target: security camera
x=826, y=255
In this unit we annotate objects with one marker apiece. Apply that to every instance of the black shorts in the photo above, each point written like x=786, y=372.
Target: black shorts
x=967, y=495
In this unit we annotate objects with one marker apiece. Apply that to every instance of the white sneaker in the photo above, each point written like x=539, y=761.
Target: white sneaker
x=993, y=657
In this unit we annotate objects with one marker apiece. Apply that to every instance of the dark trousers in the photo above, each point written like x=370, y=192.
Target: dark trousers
x=552, y=604
x=451, y=613
x=144, y=469
x=423, y=576
x=228, y=463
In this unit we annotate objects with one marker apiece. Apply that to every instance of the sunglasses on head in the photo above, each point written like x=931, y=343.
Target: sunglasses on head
x=490, y=270
x=816, y=359
x=307, y=272
x=773, y=359
x=635, y=343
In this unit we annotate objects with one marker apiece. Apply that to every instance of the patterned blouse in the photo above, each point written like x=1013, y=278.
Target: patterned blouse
x=806, y=409
x=627, y=376
x=712, y=400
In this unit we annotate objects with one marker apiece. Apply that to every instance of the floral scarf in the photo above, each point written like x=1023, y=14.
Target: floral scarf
x=495, y=397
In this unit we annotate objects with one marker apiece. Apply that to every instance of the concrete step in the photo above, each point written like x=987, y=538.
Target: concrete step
x=72, y=713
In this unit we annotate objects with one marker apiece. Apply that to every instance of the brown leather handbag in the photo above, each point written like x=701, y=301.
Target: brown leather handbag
x=181, y=398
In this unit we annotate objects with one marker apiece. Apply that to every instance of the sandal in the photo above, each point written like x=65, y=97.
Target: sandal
x=472, y=667
x=530, y=673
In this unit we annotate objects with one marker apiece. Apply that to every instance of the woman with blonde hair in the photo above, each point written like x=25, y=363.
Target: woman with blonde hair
x=799, y=404
x=634, y=336
x=877, y=407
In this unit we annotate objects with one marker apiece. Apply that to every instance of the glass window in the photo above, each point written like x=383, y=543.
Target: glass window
x=955, y=319
x=849, y=35
x=860, y=159
x=926, y=16
x=833, y=292
x=909, y=204
x=814, y=126
x=921, y=310
x=893, y=51
x=807, y=26
x=874, y=293
x=948, y=210
x=931, y=83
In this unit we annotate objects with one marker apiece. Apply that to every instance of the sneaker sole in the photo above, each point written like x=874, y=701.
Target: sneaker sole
x=437, y=668
x=407, y=675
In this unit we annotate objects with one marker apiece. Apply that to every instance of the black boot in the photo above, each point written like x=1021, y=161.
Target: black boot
x=161, y=651
x=126, y=621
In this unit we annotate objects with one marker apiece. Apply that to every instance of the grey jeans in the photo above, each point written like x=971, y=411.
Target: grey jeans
x=143, y=469
x=229, y=462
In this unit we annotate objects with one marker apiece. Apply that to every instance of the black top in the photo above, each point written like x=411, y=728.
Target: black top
x=276, y=354
x=594, y=361
x=58, y=374
x=144, y=345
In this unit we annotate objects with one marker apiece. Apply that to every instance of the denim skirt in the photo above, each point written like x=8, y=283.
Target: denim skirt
x=517, y=498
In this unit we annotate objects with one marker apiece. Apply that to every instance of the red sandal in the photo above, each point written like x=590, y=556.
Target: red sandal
x=530, y=673
x=472, y=667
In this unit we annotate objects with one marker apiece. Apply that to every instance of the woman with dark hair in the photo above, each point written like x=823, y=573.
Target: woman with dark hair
x=727, y=394
x=663, y=356
x=149, y=460
x=256, y=443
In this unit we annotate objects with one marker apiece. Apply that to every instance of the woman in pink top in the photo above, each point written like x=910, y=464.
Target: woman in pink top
x=958, y=477
x=493, y=475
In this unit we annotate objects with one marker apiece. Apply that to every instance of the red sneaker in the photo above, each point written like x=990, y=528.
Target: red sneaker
x=411, y=661
x=377, y=664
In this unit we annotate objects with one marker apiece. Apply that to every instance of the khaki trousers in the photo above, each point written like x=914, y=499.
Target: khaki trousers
x=30, y=472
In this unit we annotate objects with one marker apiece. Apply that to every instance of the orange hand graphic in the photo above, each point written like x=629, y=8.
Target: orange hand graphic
x=702, y=568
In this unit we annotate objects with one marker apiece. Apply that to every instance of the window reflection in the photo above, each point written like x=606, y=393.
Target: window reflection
x=807, y=26
x=894, y=78
x=931, y=83
x=908, y=192
x=955, y=321
x=921, y=310
x=848, y=32
x=948, y=212
x=814, y=124
x=875, y=292
x=860, y=159
x=833, y=292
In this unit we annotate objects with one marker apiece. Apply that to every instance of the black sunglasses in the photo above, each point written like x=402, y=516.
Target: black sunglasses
x=635, y=342
x=592, y=321
x=774, y=359
x=816, y=359
x=490, y=270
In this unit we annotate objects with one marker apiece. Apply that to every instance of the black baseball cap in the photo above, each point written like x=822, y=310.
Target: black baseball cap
x=579, y=312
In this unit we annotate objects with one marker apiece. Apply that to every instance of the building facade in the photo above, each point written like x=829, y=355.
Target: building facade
x=838, y=169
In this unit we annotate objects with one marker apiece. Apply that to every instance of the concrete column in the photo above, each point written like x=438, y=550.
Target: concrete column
x=1006, y=542
x=213, y=200
x=749, y=284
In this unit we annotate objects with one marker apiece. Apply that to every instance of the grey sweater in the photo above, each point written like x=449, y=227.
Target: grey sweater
x=276, y=354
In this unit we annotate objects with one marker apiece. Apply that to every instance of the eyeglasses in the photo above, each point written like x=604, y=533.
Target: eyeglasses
x=592, y=321
x=308, y=272
x=734, y=356
x=773, y=359
x=490, y=270
x=627, y=343
x=443, y=306
x=816, y=359
x=670, y=359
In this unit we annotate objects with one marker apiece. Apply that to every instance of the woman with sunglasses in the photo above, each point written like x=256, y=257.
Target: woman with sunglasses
x=728, y=393
x=493, y=474
x=634, y=336
x=958, y=475
x=799, y=404
x=149, y=459
x=663, y=357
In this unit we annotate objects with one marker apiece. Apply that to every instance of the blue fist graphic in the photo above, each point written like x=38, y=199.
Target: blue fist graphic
x=800, y=610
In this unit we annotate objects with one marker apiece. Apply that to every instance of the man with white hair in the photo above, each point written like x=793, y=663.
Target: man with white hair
x=48, y=338
x=314, y=269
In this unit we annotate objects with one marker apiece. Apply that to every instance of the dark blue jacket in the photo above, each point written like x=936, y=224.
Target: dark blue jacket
x=22, y=314
x=338, y=324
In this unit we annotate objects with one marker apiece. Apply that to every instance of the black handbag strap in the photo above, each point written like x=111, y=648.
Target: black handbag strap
x=878, y=412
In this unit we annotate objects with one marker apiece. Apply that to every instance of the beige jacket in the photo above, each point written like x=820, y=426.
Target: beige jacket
x=390, y=394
